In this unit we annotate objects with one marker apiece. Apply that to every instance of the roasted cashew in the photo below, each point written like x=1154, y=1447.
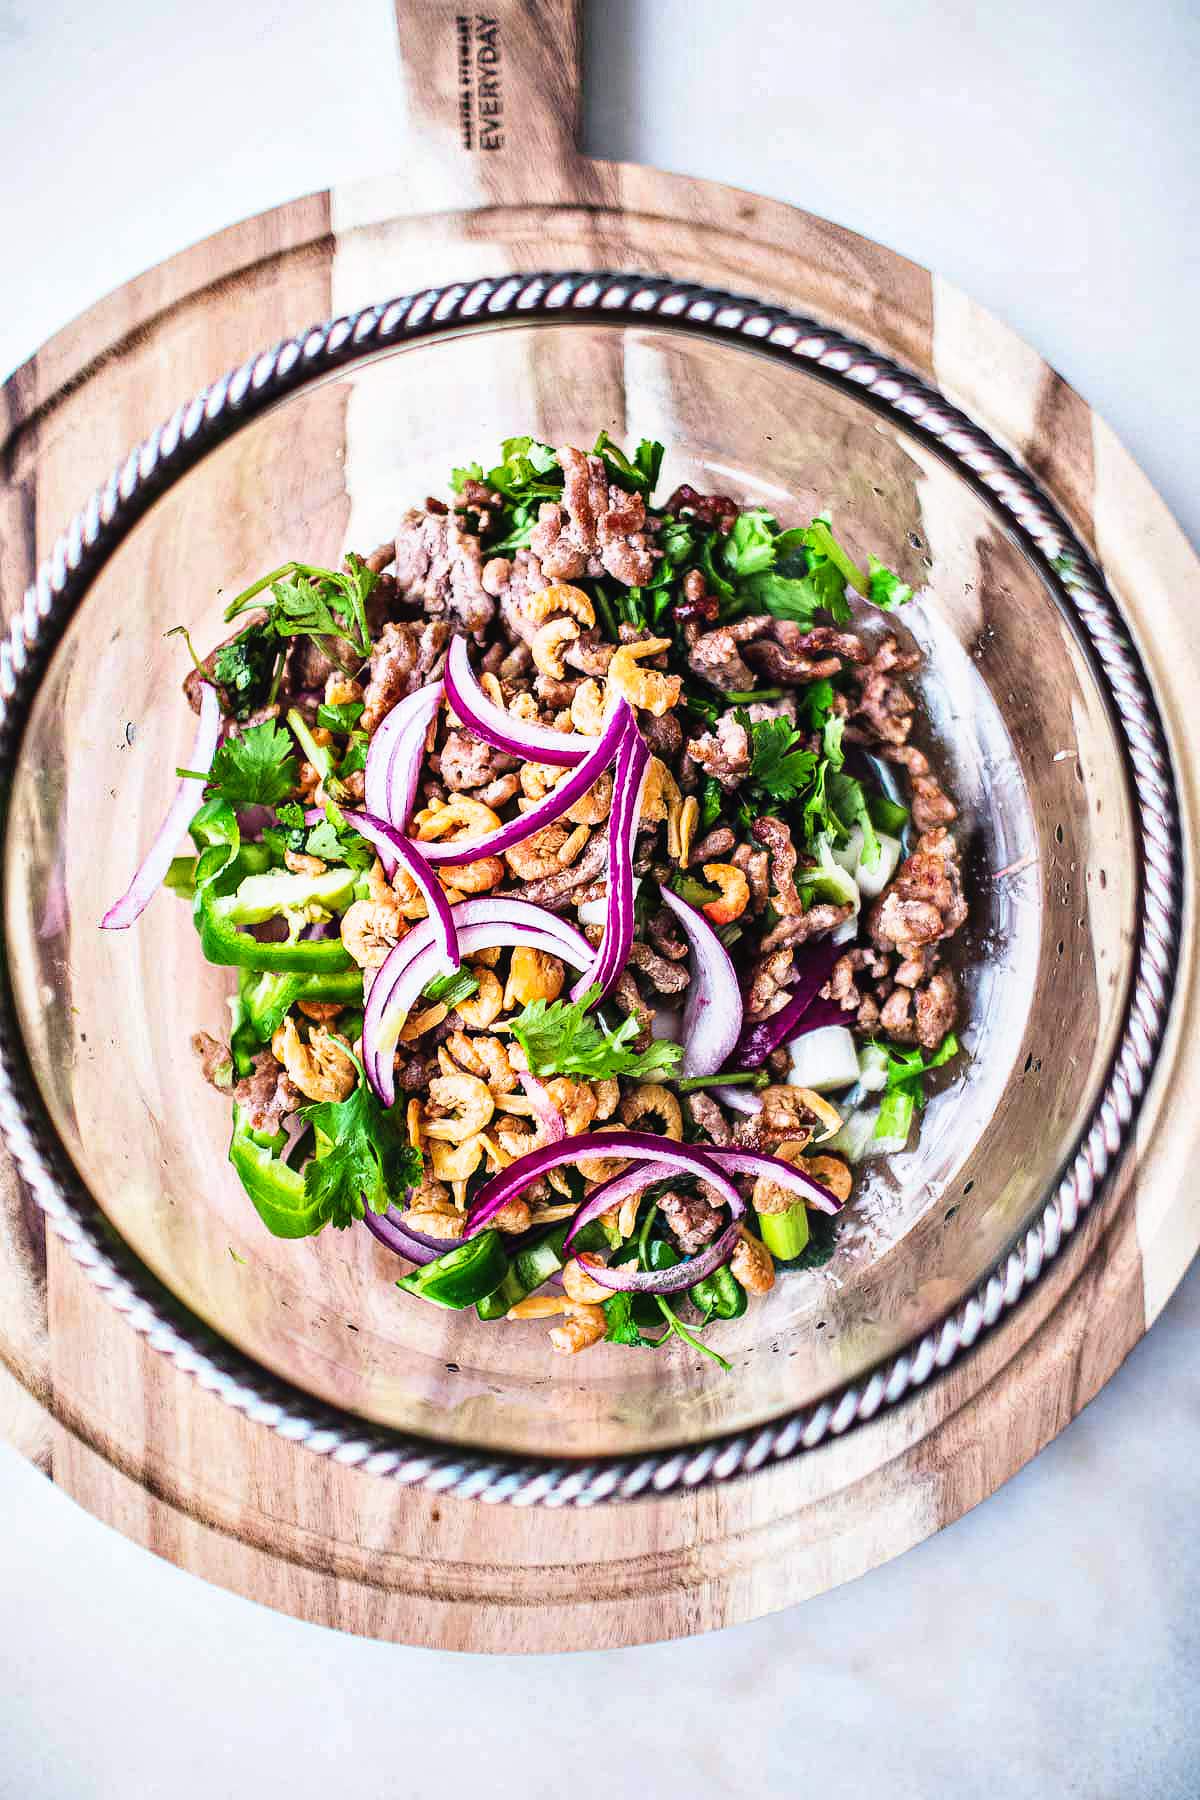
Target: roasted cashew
x=832, y=1173
x=549, y=642
x=752, y=1264
x=532, y=975
x=735, y=893
x=455, y=1162
x=461, y=816
x=538, y=779
x=768, y=1196
x=481, y=1009
x=561, y=598
x=369, y=931
x=652, y=1098
x=648, y=688
x=587, y=709
x=788, y=1112
x=585, y=1326
x=467, y=1104
x=825, y=1113
x=322, y=1069
x=608, y=1096
x=574, y=1101
x=476, y=877
x=660, y=795
x=537, y=856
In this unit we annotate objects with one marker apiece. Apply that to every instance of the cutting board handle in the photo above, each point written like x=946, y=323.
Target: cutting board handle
x=495, y=89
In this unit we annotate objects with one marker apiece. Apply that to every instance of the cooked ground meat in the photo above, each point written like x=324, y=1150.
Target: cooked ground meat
x=717, y=659
x=598, y=529
x=404, y=659
x=713, y=846
x=691, y=1221
x=267, y=1095
x=774, y=834
x=816, y=922
x=556, y=891
x=467, y=762
x=725, y=753
x=665, y=977
x=216, y=1061
x=767, y=992
x=439, y=564
x=754, y=865
x=708, y=1117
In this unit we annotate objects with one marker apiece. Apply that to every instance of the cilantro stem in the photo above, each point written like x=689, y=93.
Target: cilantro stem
x=317, y=754
x=607, y=619
x=256, y=587
x=842, y=561
x=742, y=1078
x=756, y=694
x=682, y=1331
x=644, y=1234
x=183, y=632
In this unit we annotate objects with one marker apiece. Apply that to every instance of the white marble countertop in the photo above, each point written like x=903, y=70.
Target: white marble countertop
x=1043, y=158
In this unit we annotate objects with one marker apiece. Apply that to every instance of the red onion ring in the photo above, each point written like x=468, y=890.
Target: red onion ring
x=537, y=743
x=617, y=729
x=386, y=838
x=712, y=1015
x=759, y=1039
x=390, y=1230
x=679, y=1158
x=410, y=967
x=150, y=876
x=393, y=770
x=612, y=952
x=757, y=1162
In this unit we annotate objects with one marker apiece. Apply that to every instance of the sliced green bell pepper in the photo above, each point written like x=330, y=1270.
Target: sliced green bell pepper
x=462, y=1276
x=533, y=1266
x=219, y=917
x=719, y=1295
x=278, y=1192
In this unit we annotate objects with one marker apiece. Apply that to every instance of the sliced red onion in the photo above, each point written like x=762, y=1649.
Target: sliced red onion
x=150, y=876
x=624, y=1278
x=612, y=953
x=738, y=1099
x=386, y=838
x=759, y=1039
x=391, y=1231
x=676, y=1158
x=518, y=737
x=712, y=1017
x=545, y=1111
x=756, y=1162
x=617, y=730
x=412, y=965
x=394, y=761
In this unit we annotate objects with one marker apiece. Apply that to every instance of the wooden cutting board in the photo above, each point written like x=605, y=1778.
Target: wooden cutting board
x=493, y=181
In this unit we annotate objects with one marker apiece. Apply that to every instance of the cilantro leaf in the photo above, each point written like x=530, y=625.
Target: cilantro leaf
x=528, y=471
x=908, y=1068
x=255, y=769
x=638, y=476
x=750, y=547
x=245, y=669
x=342, y=717
x=620, y=1327
x=779, y=764
x=460, y=477
x=817, y=702
x=850, y=807
x=335, y=841
x=711, y=803
x=559, y=1038
x=887, y=589
x=314, y=602
x=366, y=1158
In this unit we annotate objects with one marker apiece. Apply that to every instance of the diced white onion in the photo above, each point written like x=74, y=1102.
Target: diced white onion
x=823, y=1060
x=873, y=1068
x=855, y=1139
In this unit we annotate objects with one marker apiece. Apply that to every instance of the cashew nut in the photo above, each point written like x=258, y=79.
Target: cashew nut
x=587, y=709
x=465, y=1101
x=322, y=1069
x=560, y=598
x=648, y=688
x=549, y=642
x=532, y=975
x=652, y=1098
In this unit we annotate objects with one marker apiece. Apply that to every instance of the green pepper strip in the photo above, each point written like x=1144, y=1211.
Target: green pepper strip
x=785, y=1234
x=269, y=996
x=278, y=1192
x=463, y=1276
x=261, y=897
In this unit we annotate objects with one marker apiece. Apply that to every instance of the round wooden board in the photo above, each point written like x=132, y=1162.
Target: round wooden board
x=137, y=1442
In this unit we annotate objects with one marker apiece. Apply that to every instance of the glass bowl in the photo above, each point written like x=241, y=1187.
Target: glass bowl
x=1065, y=816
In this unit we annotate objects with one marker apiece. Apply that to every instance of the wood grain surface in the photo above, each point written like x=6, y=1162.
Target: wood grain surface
x=137, y=1442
